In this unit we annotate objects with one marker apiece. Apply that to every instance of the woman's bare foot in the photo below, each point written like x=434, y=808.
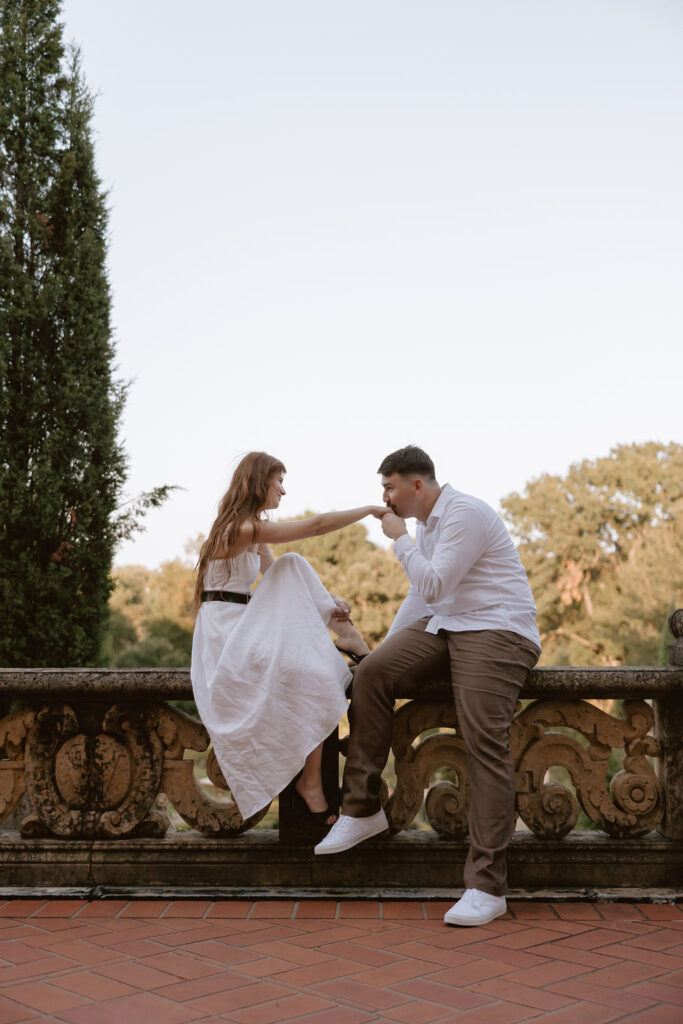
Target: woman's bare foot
x=349, y=637
x=314, y=798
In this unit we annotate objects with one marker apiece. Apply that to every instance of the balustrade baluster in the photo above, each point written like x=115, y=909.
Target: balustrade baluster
x=669, y=732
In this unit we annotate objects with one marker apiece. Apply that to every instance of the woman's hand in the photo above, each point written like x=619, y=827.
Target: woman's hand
x=343, y=613
x=343, y=605
x=378, y=511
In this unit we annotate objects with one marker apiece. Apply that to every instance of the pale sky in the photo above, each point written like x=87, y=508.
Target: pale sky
x=342, y=227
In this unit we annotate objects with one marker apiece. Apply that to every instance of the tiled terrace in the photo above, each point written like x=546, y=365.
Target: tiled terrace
x=329, y=962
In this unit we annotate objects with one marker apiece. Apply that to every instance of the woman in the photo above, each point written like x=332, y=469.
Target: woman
x=268, y=681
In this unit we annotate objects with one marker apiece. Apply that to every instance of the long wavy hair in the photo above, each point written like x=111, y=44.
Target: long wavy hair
x=243, y=502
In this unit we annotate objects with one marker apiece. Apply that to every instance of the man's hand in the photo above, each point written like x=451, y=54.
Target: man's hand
x=393, y=526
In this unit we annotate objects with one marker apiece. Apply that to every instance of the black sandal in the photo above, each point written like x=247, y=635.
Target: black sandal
x=317, y=817
x=355, y=658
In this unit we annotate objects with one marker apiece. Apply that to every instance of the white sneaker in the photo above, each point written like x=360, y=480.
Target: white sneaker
x=347, y=832
x=476, y=907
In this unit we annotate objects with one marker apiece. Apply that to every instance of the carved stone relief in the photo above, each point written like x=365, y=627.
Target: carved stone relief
x=201, y=811
x=544, y=734
x=632, y=806
x=447, y=802
x=93, y=772
x=13, y=732
x=100, y=771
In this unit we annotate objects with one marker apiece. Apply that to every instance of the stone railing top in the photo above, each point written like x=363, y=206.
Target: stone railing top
x=131, y=683
x=557, y=682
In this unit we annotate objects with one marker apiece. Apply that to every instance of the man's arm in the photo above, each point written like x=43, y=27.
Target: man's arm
x=462, y=540
x=412, y=609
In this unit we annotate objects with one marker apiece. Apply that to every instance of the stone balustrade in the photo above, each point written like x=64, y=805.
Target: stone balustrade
x=96, y=756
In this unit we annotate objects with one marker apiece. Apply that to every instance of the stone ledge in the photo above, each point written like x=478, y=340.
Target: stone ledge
x=557, y=682
x=259, y=861
x=175, y=893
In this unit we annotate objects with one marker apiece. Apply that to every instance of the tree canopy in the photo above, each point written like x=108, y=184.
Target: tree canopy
x=603, y=549
x=62, y=469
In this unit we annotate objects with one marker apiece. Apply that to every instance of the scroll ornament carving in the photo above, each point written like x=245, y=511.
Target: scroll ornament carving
x=632, y=806
x=93, y=772
x=13, y=732
x=447, y=802
x=676, y=628
x=180, y=732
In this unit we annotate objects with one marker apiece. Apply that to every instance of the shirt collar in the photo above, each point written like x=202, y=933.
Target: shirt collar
x=441, y=503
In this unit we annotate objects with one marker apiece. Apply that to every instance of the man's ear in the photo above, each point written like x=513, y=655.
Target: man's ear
x=418, y=485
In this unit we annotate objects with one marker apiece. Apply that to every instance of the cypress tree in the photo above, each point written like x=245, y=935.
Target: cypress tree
x=62, y=469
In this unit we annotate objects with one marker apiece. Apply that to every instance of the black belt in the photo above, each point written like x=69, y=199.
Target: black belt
x=225, y=595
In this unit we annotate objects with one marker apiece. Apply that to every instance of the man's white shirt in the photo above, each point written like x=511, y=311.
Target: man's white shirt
x=465, y=571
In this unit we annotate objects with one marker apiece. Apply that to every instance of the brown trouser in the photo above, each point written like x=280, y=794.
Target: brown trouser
x=488, y=668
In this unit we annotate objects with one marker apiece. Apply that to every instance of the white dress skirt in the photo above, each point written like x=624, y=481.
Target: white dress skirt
x=268, y=682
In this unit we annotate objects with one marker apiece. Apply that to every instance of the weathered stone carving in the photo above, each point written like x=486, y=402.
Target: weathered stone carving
x=447, y=802
x=669, y=731
x=95, y=768
x=631, y=807
x=93, y=772
x=179, y=733
x=676, y=628
x=13, y=731
x=633, y=804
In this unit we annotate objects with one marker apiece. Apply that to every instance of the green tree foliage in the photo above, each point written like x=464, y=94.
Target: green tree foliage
x=603, y=547
x=61, y=468
x=151, y=623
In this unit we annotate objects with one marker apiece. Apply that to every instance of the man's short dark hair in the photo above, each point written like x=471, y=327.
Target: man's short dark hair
x=408, y=461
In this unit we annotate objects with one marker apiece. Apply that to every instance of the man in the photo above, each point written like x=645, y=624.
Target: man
x=469, y=602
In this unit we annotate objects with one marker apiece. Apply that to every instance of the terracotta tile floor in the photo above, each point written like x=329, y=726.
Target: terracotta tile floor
x=328, y=962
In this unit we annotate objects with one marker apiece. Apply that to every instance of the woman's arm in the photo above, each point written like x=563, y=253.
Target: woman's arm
x=300, y=529
x=266, y=557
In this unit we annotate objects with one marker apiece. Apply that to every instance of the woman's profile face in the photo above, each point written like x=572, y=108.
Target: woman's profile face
x=275, y=490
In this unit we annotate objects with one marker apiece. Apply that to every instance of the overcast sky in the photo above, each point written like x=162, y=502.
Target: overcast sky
x=342, y=227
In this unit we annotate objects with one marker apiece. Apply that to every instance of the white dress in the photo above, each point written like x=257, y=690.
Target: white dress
x=268, y=682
